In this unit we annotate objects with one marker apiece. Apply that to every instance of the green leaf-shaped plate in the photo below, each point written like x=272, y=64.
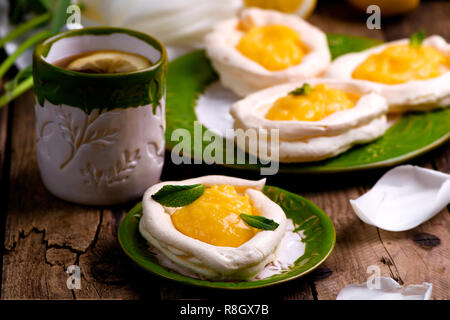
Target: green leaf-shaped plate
x=317, y=227
x=413, y=135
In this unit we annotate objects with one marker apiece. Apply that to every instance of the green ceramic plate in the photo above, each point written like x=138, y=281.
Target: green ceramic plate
x=317, y=228
x=413, y=135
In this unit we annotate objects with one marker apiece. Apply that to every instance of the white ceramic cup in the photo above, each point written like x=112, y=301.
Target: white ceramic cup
x=100, y=137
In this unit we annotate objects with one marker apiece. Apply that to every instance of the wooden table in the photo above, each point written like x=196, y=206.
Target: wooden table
x=44, y=235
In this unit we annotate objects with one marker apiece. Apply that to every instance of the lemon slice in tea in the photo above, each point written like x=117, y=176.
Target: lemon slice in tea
x=109, y=62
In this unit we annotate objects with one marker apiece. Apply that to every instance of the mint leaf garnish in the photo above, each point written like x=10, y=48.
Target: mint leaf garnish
x=178, y=196
x=304, y=90
x=416, y=39
x=259, y=222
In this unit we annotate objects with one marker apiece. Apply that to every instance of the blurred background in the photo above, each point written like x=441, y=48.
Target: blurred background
x=183, y=23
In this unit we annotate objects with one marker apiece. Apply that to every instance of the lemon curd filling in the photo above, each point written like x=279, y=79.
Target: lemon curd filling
x=321, y=102
x=402, y=63
x=214, y=218
x=275, y=47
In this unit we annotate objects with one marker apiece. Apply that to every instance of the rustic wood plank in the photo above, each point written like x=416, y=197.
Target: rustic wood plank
x=32, y=212
x=298, y=289
x=431, y=16
x=416, y=263
x=46, y=232
x=27, y=275
x=357, y=244
x=3, y=137
x=4, y=176
x=441, y=159
x=107, y=271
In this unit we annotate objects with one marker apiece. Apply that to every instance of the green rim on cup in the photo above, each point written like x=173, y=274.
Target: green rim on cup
x=318, y=230
x=85, y=91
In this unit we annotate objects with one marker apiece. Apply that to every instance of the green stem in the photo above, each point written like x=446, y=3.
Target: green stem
x=25, y=85
x=38, y=37
x=25, y=27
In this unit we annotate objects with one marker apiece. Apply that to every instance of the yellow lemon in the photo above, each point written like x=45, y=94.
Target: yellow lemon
x=303, y=8
x=109, y=61
x=388, y=8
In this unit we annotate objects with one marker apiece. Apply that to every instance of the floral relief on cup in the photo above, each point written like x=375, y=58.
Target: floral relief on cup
x=117, y=173
x=77, y=134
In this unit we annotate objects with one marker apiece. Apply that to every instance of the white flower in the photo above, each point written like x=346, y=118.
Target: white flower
x=174, y=22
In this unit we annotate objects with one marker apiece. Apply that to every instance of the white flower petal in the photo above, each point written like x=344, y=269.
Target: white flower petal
x=403, y=198
x=388, y=289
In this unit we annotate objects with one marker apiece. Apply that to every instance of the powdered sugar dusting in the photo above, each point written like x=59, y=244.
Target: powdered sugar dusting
x=289, y=250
